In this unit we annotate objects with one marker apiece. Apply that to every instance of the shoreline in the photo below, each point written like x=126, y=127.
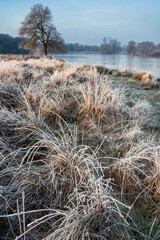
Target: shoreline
x=142, y=76
x=125, y=54
x=110, y=54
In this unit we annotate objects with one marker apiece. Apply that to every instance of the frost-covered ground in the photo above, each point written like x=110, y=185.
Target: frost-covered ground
x=79, y=152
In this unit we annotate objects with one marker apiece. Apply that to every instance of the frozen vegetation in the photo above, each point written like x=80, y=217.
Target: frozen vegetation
x=79, y=155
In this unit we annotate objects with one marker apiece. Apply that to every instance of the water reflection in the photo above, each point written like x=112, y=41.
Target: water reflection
x=121, y=62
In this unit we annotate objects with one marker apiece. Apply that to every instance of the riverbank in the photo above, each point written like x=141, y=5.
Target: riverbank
x=79, y=152
x=116, y=61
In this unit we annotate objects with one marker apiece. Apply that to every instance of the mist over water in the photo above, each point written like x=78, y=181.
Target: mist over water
x=132, y=63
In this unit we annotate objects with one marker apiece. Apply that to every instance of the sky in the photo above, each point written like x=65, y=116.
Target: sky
x=89, y=21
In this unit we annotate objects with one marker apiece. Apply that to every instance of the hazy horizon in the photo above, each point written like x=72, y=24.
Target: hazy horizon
x=87, y=22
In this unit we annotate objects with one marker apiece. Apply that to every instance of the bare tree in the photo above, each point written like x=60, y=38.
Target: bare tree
x=131, y=48
x=146, y=48
x=110, y=46
x=38, y=29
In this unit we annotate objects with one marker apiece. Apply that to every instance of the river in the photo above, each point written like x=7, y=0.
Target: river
x=132, y=63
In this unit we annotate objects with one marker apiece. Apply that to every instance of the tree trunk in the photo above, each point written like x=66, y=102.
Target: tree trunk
x=45, y=49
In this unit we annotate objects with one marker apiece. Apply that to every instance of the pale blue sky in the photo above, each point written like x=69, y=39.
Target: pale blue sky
x=88, y=21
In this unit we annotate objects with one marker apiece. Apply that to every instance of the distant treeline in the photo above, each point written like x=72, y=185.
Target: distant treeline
x=76, y=47
x=113, y=46
x=109, y=46
x=143, y=49
x=9, y=45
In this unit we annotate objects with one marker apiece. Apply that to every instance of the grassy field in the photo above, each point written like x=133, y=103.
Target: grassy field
x=79, y=152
